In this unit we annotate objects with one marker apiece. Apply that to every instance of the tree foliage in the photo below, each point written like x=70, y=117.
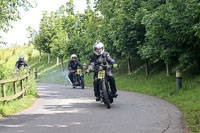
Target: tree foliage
x=167, y=30
x=9, y=11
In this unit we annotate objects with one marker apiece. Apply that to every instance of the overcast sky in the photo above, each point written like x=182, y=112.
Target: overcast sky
x=32, y=17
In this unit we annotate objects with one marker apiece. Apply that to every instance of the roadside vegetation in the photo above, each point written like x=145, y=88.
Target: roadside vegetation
x=9, y=56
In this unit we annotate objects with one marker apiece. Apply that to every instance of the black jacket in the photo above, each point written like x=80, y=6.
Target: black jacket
x=21, y=63
x=72, y=65
x=98, y=59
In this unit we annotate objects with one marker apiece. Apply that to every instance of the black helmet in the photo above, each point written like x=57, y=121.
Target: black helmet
x=21, y=58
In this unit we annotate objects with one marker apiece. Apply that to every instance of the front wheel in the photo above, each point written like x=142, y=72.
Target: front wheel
x=105, y=95
x=82, y=83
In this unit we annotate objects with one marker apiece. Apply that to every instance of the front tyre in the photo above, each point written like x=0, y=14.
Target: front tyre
x=82, y=83
x=105, y=95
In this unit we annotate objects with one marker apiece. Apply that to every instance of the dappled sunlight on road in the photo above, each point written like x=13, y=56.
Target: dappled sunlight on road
x=76, y=105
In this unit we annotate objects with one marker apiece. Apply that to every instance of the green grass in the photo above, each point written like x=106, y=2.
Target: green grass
x=8, y=61
x=49, y=73
x=16, y=105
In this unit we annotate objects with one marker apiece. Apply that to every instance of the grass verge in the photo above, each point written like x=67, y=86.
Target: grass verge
x=16, y=105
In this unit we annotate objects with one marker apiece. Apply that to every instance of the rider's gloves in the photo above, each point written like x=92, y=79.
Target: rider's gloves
x=114, y=66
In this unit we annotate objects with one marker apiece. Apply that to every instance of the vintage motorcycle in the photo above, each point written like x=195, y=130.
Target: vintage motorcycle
x=78, y=78
x=105, y=91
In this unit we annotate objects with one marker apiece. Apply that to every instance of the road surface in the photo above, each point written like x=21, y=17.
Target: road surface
x=61, y=109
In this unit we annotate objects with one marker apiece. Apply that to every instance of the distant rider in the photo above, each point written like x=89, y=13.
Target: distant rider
x=20, y=63
x=72, y=67
x=97, y=59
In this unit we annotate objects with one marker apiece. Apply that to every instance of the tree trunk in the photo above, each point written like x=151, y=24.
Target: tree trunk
x=57, y=60
x=40, y=56
x=147, y=67
x=48, y=58
x=168, y=71
x=62, y=64
x=129, y=66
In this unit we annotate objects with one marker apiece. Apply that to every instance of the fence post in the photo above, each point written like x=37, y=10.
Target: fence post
x=15, y=89
x=21, y=83
x=26, y=83
x=4, y=92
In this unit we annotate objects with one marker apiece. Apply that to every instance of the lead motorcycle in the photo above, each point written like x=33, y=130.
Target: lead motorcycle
x=105, y=91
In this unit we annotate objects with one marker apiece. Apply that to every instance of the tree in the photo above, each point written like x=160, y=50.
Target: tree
x=9, y=11
x=123, y=31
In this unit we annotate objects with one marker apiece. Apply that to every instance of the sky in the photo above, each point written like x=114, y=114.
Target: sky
x=18, y=34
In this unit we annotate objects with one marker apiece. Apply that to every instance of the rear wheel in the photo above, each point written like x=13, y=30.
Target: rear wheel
x=105, y=95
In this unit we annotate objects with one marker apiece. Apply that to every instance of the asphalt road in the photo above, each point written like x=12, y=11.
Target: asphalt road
x=61, y=109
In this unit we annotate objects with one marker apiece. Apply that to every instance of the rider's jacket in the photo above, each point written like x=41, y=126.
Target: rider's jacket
x=98, y=59
x=21, y=63
x=72, y=65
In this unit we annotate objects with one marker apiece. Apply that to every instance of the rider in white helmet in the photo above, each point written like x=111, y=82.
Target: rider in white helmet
x=98, y=48
x=96, y=59
x=72, y=66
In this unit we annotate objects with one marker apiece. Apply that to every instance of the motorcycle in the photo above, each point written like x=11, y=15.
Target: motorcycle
x=78, y=78
x=105, y=91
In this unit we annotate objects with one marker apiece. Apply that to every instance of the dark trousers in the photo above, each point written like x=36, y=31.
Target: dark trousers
x=110, y=79
x=71, y=77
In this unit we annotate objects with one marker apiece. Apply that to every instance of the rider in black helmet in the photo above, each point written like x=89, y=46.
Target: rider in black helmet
x=20, y=63
x=96, y=59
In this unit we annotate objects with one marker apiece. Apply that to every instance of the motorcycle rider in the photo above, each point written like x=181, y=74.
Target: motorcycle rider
x=20, y=63
x=84, y=66
x=72, y=67
x=97, y=59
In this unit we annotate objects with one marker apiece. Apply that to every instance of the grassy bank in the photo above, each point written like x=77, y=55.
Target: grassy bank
x=9, y=56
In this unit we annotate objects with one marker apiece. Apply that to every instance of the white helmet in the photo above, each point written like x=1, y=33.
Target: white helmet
x=73, y=56
x=98, y=45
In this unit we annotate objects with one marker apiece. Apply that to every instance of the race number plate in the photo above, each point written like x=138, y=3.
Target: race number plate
x=78, y=71
x=101, y=74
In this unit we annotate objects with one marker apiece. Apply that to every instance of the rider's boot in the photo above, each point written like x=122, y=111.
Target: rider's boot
x=98, y=99
x=114, y=95
x=73, y=85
